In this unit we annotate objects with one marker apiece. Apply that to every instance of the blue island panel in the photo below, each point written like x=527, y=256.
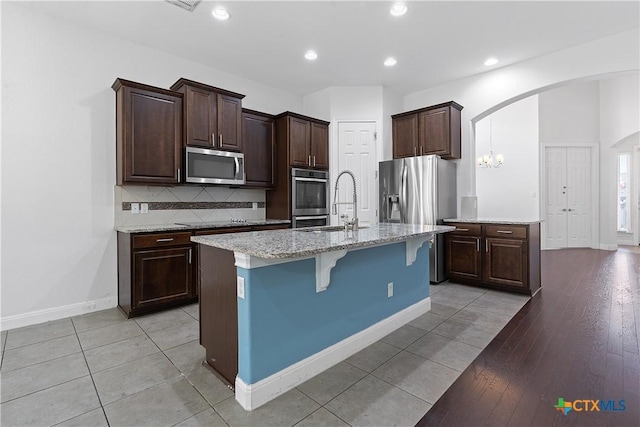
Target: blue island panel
x=283, y=320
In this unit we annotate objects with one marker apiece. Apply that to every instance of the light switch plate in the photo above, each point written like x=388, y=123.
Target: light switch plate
x=144, y=208
x=135, y=208
x=389, y=289
x=240, y=281
x=254, y=205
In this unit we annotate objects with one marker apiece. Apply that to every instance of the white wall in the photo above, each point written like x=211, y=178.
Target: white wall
x=58, y=157
x=570, y=114
x=619, y=118
x=510, y=191
x=490, y=91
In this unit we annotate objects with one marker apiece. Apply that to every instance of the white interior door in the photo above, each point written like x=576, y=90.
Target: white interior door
x=568, y=217
x=578, y=197
x=357, y=153
x=556, y=197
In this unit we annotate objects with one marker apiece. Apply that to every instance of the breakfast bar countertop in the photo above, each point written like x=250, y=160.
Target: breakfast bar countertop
x=302, y=242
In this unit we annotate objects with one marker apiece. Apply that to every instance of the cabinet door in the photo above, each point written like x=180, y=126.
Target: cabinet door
x=434, y=132
x=299, y=141
x=259, y=135
x=506, y=262
x=405, y=136
x=200, y=125
x=161, y=276
x=464, y=258
x=229, y=123
x=152, y=137
x=319, y=146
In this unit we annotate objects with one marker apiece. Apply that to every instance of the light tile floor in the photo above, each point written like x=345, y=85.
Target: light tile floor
x=101, y=369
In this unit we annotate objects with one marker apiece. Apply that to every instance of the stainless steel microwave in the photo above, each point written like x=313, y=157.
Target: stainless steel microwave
x=204, y=166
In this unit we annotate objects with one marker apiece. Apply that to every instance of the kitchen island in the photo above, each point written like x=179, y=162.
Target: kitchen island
x=279, y=307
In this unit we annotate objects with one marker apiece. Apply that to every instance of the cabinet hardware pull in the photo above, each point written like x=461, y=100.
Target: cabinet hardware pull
x=178, y=174
x=462, y=229
x=213, y=139
x=486, y=246
x=165, y=240
x=220, y=139
x=314, y=161
x=570, y=210
x=415, y=150
x=564, y=210
x=309, y=163
x=189, y=256
x=505, y=231
x=477, y=245
x=421, y=150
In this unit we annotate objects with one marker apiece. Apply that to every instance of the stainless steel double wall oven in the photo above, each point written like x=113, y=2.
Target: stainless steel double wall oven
x=309, y=198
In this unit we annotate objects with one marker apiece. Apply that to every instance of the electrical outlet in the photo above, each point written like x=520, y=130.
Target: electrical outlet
x=389, y=289
x=144, y=208
x=240, y=281
x=135, y=208
x=254, y=206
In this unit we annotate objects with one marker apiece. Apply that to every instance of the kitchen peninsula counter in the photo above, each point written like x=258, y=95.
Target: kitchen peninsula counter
x=279, y=307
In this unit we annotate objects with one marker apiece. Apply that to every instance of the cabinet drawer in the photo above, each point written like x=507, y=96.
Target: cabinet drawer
x=463, y=229
x=506, y=231
x=161, y=239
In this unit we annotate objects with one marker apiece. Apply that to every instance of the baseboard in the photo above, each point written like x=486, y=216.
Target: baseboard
x=252, y=396
x=49, y=314
x=606, y=247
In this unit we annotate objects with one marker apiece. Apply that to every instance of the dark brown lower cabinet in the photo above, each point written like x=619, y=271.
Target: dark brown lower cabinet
x=155, y=271
x=501, y=256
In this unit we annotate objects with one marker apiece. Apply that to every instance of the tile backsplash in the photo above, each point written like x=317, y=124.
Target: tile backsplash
x=168, y=205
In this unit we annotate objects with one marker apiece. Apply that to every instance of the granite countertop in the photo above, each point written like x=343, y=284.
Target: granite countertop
x=296, y=243
x=494, y=220
x=187, y=226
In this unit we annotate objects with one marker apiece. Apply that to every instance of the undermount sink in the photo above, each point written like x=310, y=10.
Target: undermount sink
x=327, y=228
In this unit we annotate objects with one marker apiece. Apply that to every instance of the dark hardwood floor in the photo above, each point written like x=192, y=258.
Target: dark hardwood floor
x=577, y=339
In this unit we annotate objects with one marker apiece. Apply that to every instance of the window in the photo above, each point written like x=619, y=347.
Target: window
x=624, y=177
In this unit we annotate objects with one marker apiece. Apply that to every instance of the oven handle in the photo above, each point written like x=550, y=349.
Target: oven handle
x=311, y=217
x=310, y=179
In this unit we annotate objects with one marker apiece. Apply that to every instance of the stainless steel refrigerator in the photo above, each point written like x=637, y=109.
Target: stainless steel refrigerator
x=419, y=190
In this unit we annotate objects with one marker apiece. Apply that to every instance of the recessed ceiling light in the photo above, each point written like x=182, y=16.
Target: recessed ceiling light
x=390, y=61
x=398, y=9
x=311, y=55
x=220, y=13
x=491, y=61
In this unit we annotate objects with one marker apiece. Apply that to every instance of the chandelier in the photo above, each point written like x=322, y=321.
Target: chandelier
x=488, y=160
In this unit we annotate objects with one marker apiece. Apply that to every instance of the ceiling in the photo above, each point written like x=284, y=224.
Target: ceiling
x=434, y=42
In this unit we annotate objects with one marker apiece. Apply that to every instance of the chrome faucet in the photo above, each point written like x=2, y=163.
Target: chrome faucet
x=353, y=224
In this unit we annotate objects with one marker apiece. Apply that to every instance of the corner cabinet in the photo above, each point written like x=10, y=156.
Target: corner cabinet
x=258, y=134
x=430, y=130
x=148, y=134
x=212, y=116
x=502, y=256
x=304, y=140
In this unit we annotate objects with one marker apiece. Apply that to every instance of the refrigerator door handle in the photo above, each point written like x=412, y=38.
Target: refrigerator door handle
x=404, y=193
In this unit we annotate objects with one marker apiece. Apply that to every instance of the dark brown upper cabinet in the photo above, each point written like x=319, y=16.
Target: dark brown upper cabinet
x=212, y=116
x=430, y=130
x=304, y=139
x=258, y=133
x=148, y=133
